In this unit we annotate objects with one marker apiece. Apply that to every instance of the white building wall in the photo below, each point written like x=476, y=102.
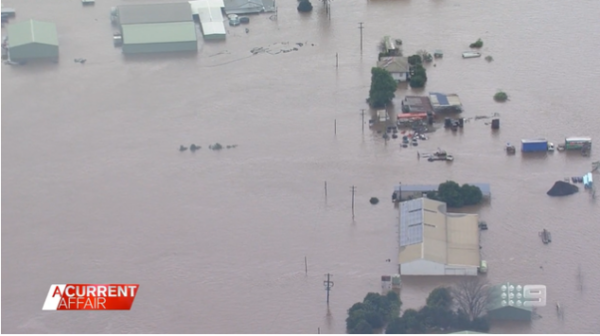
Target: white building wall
x=422, y=267
x=426, y=267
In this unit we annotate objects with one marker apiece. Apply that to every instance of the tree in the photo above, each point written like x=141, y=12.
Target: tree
x=415, y=59
x=480, y=324
x=500, y=96
x=449, y=192
x=382, y=89
x=471, y=194
x=417, y=82
x=396, y=326
x=305, y=6
x=363, y=327
x=440, y=297
x=376, y=310
x=478, y=44
x=471, y=295
x=412, y=322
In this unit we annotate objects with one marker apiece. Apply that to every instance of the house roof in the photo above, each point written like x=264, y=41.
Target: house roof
x=417, y=104
x=506, y=303
x=211, y=20
x=444, y=100
x=32, y=31
x=159, y=33
x=155, y=13
x=394, y=64
x=243, y=6
x=429, y=232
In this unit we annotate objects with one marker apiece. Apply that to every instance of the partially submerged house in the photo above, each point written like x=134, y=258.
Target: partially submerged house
x=397, y=66
x=445, y=102
x=412, y=191
x=155, y=28
x=210, y=15
x=31, y=40
x=507, y=303
x=417, y=104
x=435, y=242
x=241, y=7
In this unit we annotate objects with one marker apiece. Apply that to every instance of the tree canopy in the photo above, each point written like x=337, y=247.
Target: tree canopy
x=373, y=313
x=305, y=6
x=456, y=196
x=382, y=89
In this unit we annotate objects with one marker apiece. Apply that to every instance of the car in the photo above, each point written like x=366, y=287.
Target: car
x=234, y=21
x=244, y=19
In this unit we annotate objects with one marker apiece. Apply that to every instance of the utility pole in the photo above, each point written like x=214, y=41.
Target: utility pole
x=363, y=120
x=328, y=285
x=353, y=190
x=336, y=60
x=361, y=37
x=334, y=126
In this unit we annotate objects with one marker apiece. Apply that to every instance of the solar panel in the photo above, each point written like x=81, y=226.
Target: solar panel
x=411, y=222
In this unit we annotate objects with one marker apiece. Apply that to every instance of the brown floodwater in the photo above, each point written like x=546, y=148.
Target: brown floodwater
x=95, y=189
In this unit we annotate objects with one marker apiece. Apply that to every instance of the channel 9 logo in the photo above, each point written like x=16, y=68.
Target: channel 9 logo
x=523, y=296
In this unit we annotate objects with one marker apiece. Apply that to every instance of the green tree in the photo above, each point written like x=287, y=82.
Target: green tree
x=417, y=82
x=396, y=326
x=440, y=297
x=305, y=6
x=412, y=322
x=382, y=89
x=449, y=192
x=415, y=59
x=363, y=327
x=471, y=194
x=462, y=322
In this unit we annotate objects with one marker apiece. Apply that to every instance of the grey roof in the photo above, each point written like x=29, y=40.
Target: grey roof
x=394, y=64
x=411, y=222
x=155, y=13
x=484, y=187
x=243, y=6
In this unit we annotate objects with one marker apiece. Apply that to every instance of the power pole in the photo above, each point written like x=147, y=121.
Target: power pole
x=353, y=190
x=328, y=285
x=334, y=126
x=363, y=120
x=361, y=36
x=336, y=60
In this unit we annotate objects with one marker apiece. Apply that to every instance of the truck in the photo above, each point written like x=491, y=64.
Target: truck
x=576, y=142
x=534, y=145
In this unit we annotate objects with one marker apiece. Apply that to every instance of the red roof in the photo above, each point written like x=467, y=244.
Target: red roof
x=412, y=116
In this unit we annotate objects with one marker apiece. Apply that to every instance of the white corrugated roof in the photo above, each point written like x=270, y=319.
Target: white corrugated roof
x=198, y=4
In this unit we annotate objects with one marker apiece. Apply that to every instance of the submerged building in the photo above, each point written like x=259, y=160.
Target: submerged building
x=435, y=242
x=507, y=302
x=210, y=15
x=445, y=102
x=249, y=6
x=155, y=28
x=30, y=40
x=411, y=191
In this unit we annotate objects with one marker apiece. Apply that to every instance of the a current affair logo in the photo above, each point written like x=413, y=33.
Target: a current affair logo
x=90, y=297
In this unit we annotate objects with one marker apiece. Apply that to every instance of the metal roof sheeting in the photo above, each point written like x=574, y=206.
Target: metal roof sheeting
x=159, y=33
x=211, y=20
x=32, y=31
x=155, y=13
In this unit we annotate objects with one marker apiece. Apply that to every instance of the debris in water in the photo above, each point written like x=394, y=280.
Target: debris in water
x=561, y=188
x=374, y=200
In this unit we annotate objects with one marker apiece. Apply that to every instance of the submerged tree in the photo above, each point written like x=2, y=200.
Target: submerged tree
x=382, y=89
x=305, y=6
x=471, y=295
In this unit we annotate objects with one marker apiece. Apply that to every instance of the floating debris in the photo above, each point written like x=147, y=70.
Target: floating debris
x=374, y=200
x=194, y=148
x=489, y=58
x=182, y=148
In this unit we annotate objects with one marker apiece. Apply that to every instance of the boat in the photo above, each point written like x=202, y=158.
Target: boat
x=471, y=54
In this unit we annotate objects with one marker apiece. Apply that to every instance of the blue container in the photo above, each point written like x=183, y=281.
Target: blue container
x=535, y=145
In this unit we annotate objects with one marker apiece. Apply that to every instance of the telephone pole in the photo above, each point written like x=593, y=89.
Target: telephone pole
x=353, y=190
x=361, y=36
x=336, y=60
x=363, y=120
x=328, y=285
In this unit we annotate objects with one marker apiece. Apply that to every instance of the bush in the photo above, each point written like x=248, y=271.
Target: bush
x=456, y=196
x=477, y=44
x=501, y=96
x=489, y=58
x=305, y=6
x=374, y=200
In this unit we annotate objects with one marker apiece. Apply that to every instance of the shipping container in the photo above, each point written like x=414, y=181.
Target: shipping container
x=576, y=142
x=534, y=145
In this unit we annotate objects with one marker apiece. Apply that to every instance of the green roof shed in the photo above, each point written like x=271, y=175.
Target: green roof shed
x=32, y=39
x=159, y=37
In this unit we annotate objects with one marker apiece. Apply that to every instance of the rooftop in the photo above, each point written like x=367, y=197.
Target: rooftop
x=416, y=104
x=155, y=13
x=32, y=31
x=428, y=231
x=159, y=33
x=444, y=100
x=394, y=64
x=506, y=303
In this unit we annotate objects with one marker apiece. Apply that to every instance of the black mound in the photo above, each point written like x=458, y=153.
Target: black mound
x=561, y=188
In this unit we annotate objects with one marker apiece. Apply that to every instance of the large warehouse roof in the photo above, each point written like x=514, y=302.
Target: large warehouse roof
x=32, y=31
x=211, y=20
x=428, y=232
x=159, y=33
x=155, y=13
